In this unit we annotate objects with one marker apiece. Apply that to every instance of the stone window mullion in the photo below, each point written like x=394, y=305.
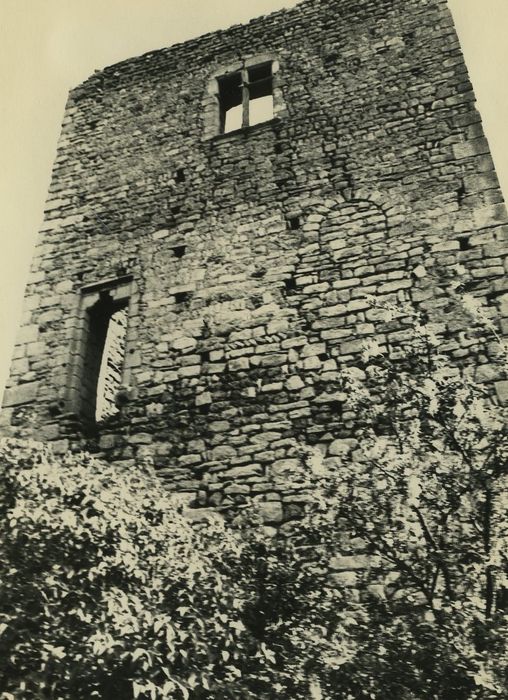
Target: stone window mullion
x=245, y=98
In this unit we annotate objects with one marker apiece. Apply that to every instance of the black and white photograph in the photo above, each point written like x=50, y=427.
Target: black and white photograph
x=253, y=350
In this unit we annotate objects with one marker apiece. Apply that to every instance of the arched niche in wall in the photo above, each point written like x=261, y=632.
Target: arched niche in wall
x=351, y=233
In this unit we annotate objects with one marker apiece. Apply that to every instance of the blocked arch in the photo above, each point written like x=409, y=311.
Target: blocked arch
x=353, y=229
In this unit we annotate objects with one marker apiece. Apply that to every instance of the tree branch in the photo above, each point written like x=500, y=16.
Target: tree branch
x=430, y=541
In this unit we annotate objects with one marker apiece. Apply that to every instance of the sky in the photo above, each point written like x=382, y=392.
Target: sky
x=49, y=46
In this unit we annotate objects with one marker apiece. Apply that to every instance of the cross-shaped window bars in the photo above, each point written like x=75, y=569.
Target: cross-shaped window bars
x=246, y=97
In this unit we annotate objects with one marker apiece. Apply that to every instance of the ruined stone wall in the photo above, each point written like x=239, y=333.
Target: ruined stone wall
x=246, y=257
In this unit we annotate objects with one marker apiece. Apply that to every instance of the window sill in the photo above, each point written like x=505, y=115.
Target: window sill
x=245, y=130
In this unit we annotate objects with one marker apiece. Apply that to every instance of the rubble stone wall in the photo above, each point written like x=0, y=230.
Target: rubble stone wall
x=248, y=255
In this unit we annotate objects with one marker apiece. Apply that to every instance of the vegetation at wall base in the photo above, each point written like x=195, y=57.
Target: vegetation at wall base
x=394, y=584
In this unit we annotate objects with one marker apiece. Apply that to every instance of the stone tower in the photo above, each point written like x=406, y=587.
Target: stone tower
x=219, y=211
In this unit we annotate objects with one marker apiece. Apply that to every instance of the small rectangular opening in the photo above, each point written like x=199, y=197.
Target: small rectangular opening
x=290, y=285
x=179, y=251
x=182, y=297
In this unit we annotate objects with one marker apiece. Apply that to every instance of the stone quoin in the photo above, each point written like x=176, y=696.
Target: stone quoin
x=218, y=213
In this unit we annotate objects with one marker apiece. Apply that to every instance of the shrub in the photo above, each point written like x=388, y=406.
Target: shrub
x=422, y=491
x=106, y=589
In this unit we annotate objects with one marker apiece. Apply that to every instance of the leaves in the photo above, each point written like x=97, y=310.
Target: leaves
x=84, y=575
x=393, y=583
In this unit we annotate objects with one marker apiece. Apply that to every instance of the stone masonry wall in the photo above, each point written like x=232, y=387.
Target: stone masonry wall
x=246, y=257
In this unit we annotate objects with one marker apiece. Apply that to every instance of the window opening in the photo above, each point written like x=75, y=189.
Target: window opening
x=246, y=98
x=104, y=357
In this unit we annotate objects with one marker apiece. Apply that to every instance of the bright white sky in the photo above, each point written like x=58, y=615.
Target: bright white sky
x=48, y=47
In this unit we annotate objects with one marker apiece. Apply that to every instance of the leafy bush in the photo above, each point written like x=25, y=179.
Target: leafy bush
x=422, y=490
x=108, y=590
